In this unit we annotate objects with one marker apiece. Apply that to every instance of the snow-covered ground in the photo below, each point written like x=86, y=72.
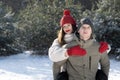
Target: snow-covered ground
x=25, y=67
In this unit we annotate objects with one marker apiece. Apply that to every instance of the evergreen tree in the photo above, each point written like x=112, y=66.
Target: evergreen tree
x=7, y=37
x=107, y=21
x=39, y=23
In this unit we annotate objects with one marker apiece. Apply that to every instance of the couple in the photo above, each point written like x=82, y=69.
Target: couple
x=77, y=51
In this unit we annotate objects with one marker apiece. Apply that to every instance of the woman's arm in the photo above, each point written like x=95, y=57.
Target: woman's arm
x=56, y=52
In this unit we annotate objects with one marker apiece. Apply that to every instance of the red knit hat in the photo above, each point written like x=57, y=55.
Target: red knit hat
x=67, y=18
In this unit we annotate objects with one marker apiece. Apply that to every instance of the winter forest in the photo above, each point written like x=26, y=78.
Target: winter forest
x=32, y=25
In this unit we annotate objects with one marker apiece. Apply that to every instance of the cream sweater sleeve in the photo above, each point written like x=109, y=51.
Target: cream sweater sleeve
x=56, y=52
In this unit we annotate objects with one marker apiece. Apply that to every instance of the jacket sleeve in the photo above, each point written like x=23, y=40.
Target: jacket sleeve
x=109, y=48
x=56, y=52
x=105, y=63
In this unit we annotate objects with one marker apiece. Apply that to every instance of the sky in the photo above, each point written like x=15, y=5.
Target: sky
x=26, y=67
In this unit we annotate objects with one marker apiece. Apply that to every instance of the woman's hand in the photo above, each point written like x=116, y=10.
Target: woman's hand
x=76, y=51
x=103, y=47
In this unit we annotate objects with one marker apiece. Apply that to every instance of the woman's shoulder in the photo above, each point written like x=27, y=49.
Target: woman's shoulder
x=55, y=42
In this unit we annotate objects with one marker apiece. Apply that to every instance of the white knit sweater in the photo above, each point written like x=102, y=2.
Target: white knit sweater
x=56, y=52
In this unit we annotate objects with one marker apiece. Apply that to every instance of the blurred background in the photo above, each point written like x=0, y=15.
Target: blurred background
x=32, y=25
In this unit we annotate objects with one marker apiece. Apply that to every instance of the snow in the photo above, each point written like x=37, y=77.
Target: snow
x=26, y=67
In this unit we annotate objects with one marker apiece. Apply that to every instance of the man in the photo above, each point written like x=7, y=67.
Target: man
x=84, y=58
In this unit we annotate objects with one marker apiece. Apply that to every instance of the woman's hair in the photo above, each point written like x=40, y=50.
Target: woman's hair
x=61, y=35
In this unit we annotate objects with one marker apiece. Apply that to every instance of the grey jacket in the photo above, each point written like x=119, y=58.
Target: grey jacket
x=85, y=67
x=80, y=67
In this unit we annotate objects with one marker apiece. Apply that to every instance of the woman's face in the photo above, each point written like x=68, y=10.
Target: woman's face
x=85, y=32
x=67, y=28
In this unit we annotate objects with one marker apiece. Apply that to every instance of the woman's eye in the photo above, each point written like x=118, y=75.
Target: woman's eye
x=63, y=26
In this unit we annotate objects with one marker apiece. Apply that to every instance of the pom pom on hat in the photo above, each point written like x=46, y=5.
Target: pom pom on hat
x=66, y=12
x=67, y=18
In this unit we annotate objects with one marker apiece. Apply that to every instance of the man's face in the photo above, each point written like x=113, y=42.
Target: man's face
x=85, y=32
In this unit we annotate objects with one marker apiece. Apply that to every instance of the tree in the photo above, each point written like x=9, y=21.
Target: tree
x=106, y=20
x=7, y=29
x=39, y=23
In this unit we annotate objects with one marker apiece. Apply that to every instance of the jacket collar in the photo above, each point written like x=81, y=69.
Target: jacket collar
x=84, y=44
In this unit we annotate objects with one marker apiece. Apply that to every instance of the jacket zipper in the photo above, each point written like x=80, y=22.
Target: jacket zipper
x=90, y=62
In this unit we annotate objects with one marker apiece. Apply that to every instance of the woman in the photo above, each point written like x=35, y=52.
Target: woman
x=58, y=50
